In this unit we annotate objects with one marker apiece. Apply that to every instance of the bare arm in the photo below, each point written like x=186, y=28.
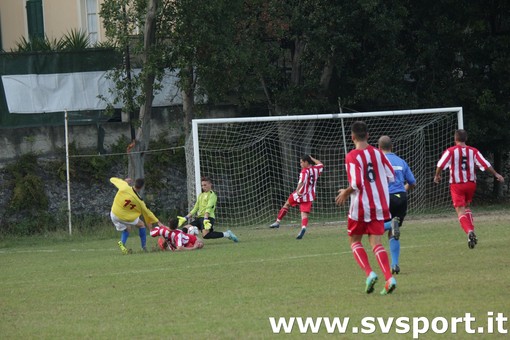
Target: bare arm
x=343, y=194
x=408, y=186
x=317, y=162
x=498, y=176
x=299, y=186
x=437, y=177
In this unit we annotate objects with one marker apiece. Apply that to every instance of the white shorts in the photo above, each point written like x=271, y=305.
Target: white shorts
x=121, y=225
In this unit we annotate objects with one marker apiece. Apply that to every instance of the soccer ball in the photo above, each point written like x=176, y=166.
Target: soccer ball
x=192, y=230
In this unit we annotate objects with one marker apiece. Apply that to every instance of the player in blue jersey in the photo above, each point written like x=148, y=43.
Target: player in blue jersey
x=404, y=181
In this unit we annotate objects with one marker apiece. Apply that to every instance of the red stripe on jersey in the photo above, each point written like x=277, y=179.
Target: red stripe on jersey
x=308, y=177
x=462, y=162
x=368, y=172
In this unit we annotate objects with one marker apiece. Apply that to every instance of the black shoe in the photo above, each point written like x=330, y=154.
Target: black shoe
x=301, y=234
x=472, y=240
x=395, y=269
x=395, y=228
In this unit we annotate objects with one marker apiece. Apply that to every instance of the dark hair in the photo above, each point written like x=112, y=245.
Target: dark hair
x=461, y=135
x=360, y=130
x=139, y=183
x=173, y=223
x=206, y=179
x=307, y=158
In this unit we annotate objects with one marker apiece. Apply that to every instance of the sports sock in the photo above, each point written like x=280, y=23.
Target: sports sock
x=361, y=257
x=382, y=258
x=387, y=226
x=124, y=236
x=395, y=251
x=304, y=222
x=465, y=223
x=142, y=232
x=282, y=213
x=160, y=231
x=470, y=216
x=225, y=234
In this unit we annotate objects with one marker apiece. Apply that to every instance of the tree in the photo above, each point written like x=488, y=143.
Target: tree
x=121, y=18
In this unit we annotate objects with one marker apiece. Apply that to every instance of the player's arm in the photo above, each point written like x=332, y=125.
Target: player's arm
x=498, y=176
x=119, y=183
x=409, y=177
x=298, y=188
x=388, y=168
x=316, y=161
x=437, y=176
x=343, y=195
x=211, y=205
x=443, y=162
x=194, y=210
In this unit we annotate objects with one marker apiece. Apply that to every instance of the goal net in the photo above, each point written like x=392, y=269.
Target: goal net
x=254, y=162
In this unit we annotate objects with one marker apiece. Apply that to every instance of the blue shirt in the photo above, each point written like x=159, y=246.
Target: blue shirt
x=403, y=174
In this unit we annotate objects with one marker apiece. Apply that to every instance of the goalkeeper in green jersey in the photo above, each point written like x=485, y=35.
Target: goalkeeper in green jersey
x=203, y=211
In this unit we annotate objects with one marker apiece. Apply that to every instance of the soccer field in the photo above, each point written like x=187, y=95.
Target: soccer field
x=72, y=289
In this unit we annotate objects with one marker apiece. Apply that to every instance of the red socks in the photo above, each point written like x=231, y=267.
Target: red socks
x=382, y=258
x=282, y=213
x=160, y=231
x=304, y=222
x=465, y=223
x=360, y=255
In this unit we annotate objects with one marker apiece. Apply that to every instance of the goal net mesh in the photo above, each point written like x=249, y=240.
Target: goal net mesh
x=254, y=165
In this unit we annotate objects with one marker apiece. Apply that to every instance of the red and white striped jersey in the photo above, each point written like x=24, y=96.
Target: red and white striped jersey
x=462, y=161
x=176, y=237
x=369, y=172
x=179, y=239
x=308, y=177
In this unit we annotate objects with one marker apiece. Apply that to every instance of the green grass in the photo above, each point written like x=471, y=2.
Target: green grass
x=81, y=287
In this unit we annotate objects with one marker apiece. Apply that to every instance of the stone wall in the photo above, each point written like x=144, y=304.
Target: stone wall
x=92, y=196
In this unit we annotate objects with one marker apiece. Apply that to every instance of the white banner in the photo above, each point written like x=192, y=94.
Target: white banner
x=40, y=93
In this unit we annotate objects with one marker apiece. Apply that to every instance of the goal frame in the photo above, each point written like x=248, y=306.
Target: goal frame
x=341, y=116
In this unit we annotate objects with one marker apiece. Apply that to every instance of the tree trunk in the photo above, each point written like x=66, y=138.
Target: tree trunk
x=299, y=48
x=327, y=72
x=141, y=143
x=188, y=97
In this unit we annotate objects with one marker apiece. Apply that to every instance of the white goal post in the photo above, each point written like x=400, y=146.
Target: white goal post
x=254, y=162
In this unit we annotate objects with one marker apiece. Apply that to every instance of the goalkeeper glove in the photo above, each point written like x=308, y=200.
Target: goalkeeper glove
x=207, y=224
x=181, y=220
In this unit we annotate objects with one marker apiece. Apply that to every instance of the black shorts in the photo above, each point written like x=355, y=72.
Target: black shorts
x=199, y=223
x=398, y=205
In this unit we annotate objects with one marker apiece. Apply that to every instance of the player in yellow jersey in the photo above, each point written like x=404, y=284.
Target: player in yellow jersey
x=127, y=208
x=203, y=211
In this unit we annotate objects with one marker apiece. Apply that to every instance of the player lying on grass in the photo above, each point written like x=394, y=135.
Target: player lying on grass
x=171, y=238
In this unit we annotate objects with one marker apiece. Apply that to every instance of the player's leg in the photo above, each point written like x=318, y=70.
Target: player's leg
x=375, y=230
x=281, y=214
x=124, y=229
x=305, y=208
x=208, y=232
x=142, y=232
x=356, y=230
x=398, y=209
